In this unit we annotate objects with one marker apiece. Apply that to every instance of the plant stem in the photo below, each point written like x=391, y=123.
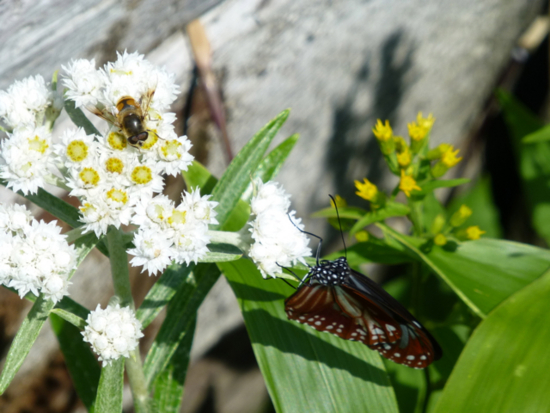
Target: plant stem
x=416, y=217
x=121, y=282
x=138, y=384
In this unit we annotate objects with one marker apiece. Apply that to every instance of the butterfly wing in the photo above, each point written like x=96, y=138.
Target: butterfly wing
x=314, y=305
x=416, y=347
x=360, y=310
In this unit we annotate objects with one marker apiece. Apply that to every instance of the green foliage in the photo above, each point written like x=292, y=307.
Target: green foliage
x=489, y=287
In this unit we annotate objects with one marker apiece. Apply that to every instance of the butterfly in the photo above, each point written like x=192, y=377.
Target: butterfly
x=334, y=298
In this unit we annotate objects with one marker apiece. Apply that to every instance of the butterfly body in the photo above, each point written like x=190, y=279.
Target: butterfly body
x=334, y=298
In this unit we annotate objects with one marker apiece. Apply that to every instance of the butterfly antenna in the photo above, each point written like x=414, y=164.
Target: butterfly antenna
x=302, y=280
x=340, y=225
x=318, y=254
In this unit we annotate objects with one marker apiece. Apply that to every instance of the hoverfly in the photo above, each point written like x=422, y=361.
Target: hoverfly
x=130, y=117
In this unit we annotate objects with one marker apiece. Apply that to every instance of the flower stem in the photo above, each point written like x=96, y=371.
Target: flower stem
x=121, y=282
x=138, y=384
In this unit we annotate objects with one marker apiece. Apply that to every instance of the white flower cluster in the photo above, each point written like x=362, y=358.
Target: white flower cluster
x=278, y=240
x=168, y=233
x=112, y=332
x=34, y=255
x=108, y=175
x=25, y=102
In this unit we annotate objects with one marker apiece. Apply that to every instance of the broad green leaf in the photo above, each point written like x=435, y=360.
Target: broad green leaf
x=504, y=367
x=306, y=370
x=163, y=290
x=109, y=392
x=430, y=186
x=197, y=175
x=180, y=317
x=391, y=209
x=484, y=212
x=482, y=273
x=271, y=164
x=81, y=362
x=373, y=250
x=533, y=160
x=24, y=339
x=169, y=384
x=79, y=119
x=236, y=178
x=540, y=135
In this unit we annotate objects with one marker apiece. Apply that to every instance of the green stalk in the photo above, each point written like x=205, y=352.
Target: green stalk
x=123, y=291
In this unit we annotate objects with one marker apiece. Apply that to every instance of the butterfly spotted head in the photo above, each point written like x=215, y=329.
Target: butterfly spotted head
x=330, y=273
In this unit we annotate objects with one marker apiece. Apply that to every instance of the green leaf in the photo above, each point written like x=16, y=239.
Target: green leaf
x=81, y=362
x=271, y=164
x=391, y=209
x=533, y=160
x=111, y=384
x=482, y=273
x=344, y=212
x=79, y=119
x=169, y=384
x=373, y=251
x=504, y=367
x=69, y=317
x=179, y=319
x=236, y=178
x=540, y=135
x=197, y=175
x=306, y=370
x=430, y=186
x=222, y=253
x=24, y=339
x=163, y=291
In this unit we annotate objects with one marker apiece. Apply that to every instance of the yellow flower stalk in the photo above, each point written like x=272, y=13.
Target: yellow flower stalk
x=460, y=216
x=440, y=240
x=366, y=190
x=383, y=131
x=407, y=184
x=474, y=232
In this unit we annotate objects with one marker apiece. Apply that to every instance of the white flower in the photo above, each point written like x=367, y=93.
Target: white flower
x=173, y=155
x=25, y=159
x=191, y=243
x=154, y=213
x=269, y=195
x=153, y=250
x=199, y=208
x=14, y=218
x=25, y=101
x=76, y=149
x=83, y=82
x=278, y=235
x=108, y=205
x=36, y=257
x=113, y=332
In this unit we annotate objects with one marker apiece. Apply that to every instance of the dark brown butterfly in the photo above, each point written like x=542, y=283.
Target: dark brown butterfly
x=336, y=299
